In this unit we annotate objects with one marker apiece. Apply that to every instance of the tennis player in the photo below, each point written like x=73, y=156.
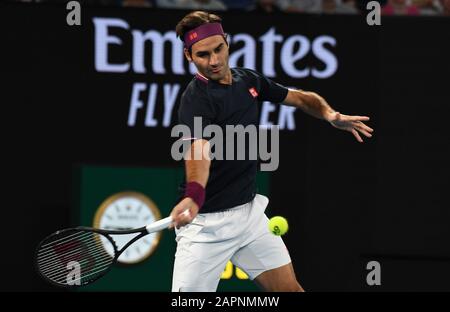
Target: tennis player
x=226, y=219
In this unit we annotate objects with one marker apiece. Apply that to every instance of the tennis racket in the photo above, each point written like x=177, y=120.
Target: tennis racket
x=79, y=256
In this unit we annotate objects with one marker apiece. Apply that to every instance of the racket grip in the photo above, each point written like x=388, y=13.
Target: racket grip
x=159, y=225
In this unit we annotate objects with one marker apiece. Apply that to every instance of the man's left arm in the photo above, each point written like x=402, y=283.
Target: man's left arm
x=316, y=106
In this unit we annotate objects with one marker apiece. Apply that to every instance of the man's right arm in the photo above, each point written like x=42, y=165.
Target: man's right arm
x=197, y=163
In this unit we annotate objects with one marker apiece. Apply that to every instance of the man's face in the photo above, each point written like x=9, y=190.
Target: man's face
x=210, y=56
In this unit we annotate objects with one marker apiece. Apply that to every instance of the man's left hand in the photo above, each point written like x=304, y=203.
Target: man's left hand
x=353, y=124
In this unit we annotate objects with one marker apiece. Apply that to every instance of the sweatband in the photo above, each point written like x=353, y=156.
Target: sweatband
x=195, y=191
x=202, y=32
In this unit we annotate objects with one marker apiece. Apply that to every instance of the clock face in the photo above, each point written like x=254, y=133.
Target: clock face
x=126, y=211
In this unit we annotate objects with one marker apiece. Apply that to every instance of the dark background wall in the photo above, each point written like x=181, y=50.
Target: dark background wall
x=347, y=203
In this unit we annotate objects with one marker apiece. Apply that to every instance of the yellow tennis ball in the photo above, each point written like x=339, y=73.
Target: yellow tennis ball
x=278, y=225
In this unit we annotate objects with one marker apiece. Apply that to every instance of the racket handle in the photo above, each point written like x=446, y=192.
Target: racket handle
x=163, y=223
x=159, y=225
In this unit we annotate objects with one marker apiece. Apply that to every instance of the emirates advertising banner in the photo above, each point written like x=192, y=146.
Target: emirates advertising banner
x=121, y=72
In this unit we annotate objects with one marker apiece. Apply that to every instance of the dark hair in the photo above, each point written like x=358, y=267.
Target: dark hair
x=193, y=20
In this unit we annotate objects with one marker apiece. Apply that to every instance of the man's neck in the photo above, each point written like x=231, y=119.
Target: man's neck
x=227, y=79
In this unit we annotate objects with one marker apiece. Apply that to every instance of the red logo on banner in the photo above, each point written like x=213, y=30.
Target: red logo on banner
x=253, y=92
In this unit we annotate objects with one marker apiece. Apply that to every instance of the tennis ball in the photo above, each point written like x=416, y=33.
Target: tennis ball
x=278, y=225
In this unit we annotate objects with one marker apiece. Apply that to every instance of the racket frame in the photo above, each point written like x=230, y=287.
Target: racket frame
x=105, y=233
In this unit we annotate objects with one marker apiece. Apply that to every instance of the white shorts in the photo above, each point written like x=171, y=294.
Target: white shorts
x=240, y=234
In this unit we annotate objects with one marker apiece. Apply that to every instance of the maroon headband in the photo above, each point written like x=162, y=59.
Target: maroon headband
x=202, y=32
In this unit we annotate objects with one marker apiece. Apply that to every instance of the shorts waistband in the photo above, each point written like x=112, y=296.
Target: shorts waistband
x=232, y=209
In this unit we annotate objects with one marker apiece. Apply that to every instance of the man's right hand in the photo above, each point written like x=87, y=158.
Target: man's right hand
x=184, y=212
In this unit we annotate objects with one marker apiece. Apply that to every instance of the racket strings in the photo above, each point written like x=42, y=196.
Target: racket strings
x=62, y=241
x=47, y=258
x=74, y=257
x=64, y=276
x=82, y=278
x=49, y=266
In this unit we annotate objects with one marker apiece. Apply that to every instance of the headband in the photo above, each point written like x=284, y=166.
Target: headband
x=202, y=32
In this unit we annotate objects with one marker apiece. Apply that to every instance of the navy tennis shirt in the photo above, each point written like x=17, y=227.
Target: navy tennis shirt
x=231, y=182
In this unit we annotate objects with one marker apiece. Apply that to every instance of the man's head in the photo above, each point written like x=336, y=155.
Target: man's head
x=205, y=43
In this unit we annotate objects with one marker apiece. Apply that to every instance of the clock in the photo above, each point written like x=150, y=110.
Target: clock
x=125, y=211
